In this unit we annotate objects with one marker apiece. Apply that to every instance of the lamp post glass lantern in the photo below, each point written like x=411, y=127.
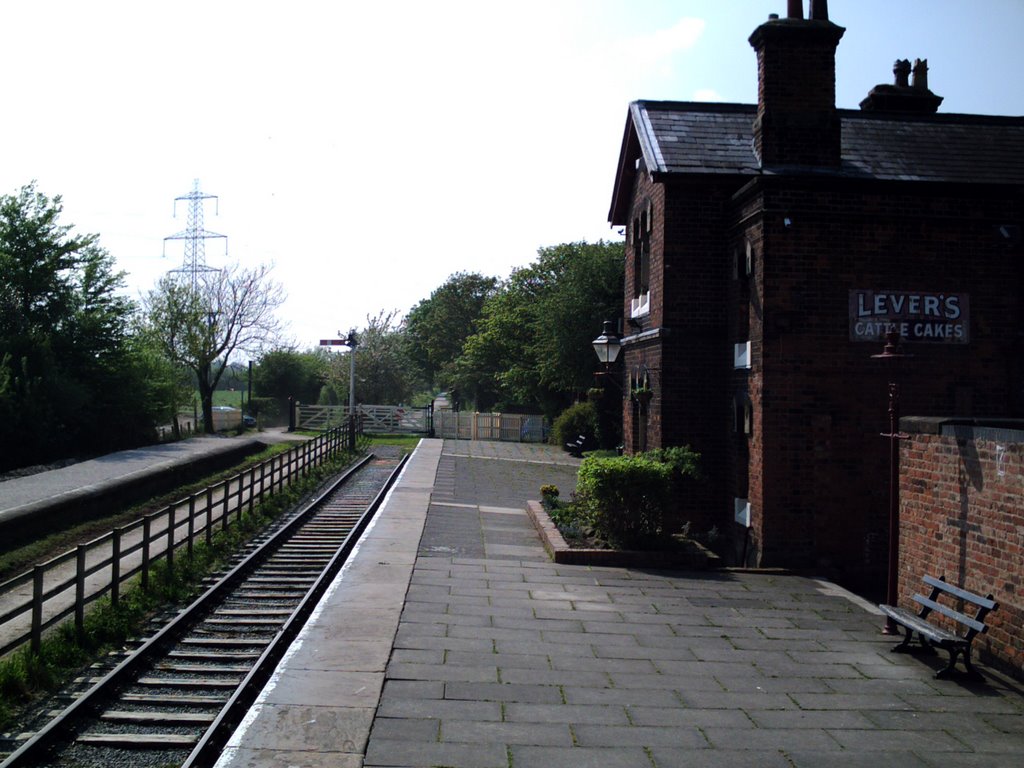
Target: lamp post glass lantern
x=607, y=345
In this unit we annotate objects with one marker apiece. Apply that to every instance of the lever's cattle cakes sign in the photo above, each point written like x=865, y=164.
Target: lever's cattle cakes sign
x=941, y=318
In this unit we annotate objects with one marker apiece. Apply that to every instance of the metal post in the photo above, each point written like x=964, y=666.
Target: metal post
x=892, y=586
x=352, y=375
x=893, y=352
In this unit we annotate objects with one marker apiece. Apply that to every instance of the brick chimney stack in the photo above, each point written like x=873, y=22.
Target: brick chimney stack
x=796, y=122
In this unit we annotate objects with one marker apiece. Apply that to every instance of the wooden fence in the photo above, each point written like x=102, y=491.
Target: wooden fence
x=104, y=564
x=510, y=427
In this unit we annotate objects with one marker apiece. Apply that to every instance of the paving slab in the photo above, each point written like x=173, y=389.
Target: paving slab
x=498, y=657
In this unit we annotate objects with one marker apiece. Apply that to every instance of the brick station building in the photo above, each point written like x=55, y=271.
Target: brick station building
x=770, y=247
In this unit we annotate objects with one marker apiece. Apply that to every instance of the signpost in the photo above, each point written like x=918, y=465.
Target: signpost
x=350, y=341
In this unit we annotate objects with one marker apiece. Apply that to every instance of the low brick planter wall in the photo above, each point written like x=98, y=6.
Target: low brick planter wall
x=693, y=557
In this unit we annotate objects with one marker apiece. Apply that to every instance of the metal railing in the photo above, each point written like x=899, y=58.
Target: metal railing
x=65, y=585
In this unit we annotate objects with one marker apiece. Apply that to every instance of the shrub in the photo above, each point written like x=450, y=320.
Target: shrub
x=626, y=497
x=578, y=419
x=681, y=459
x=549, y=491
x=684, y=466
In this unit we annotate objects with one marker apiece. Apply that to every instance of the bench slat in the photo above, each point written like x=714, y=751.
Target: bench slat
x=917, y=624
x=984, y=602
x=948, y=612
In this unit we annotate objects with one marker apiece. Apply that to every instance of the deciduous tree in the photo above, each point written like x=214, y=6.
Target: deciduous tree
x=201, y=320
x=437, y=327
x=532, y=345
x=69, y=383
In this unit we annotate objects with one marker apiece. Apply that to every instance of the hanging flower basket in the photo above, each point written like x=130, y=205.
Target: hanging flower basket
x=642, y=395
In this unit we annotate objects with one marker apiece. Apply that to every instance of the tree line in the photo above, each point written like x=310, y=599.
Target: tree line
x=85, y=370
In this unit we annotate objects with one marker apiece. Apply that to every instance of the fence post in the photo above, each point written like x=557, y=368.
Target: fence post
x=224, y=506
x=191, y=522
x=263, y=478
x=240, y=477
x=209, y=515
x=80, y=591
x=171, y=521
x=252, y=489
x=147, y=525
x=37, y=608
x=115, y=568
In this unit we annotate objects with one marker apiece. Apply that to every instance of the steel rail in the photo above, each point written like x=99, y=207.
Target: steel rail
x=64, y=728
x=212, y=743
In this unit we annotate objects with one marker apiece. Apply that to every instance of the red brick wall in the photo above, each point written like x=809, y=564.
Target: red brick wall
x=796, y=120
x=822, y=398
x=962, y=515
x=815, y=468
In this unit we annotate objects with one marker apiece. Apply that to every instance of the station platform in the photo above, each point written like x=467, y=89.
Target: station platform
x=450, y=639
x=121, y=478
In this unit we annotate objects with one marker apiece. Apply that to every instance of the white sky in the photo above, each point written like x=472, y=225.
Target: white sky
x=371, y=149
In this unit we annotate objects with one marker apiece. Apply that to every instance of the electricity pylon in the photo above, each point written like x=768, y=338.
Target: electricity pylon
x=194, y=235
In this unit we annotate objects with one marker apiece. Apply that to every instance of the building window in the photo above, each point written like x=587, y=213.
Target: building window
x=742, y=414
x=741, y=355
x=741, y=511
x=640, y=236
x=743, y=262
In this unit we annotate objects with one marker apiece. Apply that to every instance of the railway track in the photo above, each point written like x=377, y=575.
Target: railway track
x=176, y=699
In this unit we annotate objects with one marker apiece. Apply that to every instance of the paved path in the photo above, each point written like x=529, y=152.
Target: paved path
x=451, y=640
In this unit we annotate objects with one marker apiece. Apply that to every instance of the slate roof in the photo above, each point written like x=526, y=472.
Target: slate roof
x=684, y=137
x=700, y=139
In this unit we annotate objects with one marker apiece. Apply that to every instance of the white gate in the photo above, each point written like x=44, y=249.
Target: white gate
x=384, y=419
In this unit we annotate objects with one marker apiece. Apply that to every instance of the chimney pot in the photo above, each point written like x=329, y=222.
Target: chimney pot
x=920, y=80
x=773, y=17
x=901, y=69
x=819, y=10
x=795, y=9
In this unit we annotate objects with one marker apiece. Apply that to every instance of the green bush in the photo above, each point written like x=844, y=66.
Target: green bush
x=626, y=497
x=684, y=466
x=681, y=459
x=578, y=419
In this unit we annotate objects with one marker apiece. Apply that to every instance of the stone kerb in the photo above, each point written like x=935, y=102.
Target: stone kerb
x=691, y=557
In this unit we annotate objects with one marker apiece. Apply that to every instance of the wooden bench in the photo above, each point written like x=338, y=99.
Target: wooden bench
x=575, y=447
x=931, y=636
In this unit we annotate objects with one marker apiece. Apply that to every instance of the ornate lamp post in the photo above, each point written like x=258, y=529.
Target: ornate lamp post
x=607, y=346
x=893, y=351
